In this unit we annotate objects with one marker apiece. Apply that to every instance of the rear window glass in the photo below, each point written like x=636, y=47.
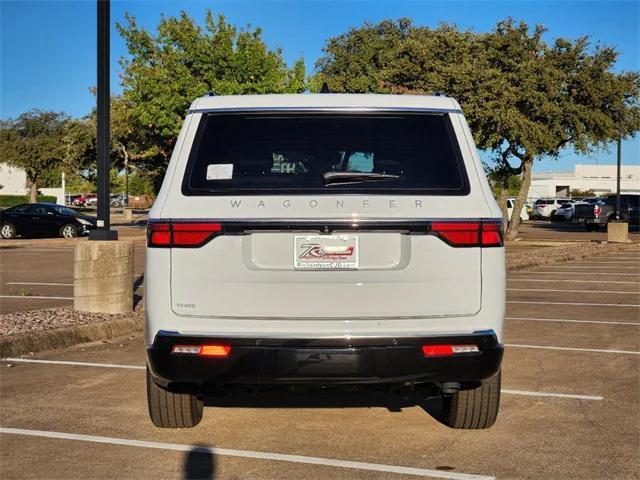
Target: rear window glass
x=325, y=153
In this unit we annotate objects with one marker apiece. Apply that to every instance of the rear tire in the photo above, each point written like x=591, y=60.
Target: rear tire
x=590, y=227
x=169, y=409
x=7, y=231
x=474, y=408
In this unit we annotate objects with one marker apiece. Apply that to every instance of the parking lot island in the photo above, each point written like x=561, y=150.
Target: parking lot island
x=618, y=232
x=103, y=276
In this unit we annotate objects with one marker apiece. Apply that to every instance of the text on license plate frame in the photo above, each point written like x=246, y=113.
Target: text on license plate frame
x=326, y=252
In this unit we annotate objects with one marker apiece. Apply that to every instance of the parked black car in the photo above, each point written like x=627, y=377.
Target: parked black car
x=44, y=220
x=596, y=216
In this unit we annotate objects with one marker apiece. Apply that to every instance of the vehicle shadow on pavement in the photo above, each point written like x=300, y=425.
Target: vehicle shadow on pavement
x=199, y=464
x=394, y=400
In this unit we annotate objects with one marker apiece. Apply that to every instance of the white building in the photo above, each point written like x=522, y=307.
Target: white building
x=13, y=180
x=600, y=179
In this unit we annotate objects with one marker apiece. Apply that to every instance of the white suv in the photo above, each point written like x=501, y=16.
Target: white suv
x=546, y=207
x=325, y=239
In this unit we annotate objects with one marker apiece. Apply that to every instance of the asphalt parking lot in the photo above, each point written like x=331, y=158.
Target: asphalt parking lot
x=36, y=274
x=570, y=405
x=566, y=232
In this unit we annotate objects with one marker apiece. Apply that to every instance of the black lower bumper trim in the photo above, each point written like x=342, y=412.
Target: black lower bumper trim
x=323, y=361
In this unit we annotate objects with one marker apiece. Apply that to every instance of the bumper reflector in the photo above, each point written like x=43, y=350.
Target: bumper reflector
x=203, y=350
x=446, y=350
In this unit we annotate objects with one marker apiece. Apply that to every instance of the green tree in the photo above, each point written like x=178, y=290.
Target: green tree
x=127, y=154
x=34, y=142
x=524, y=98
x=165, y=72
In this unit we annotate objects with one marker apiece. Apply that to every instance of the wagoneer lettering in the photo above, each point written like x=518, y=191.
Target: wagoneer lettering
x=358, y=230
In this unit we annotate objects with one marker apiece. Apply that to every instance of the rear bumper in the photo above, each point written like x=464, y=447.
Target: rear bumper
x=324, y=361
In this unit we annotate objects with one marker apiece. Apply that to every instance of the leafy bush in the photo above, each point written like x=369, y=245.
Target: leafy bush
x=7, y=201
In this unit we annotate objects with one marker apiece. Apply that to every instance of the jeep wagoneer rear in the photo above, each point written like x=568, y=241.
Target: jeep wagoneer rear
x=324, y=239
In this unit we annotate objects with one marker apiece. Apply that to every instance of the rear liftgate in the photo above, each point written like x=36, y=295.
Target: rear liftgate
x=325, y=270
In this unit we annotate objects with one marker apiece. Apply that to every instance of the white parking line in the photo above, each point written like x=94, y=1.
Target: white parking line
x=553, y=395
x=582, y=262
x=622, y=257
x=600, y=282
x=72, y=363
x=573, y=267
x=570, y=291
x=544, y=302
x=572, y=349
x=564, y=272
x=566, y=320
x=35, y=297
x=227, y=452
x=52, y=284
x=37, y=250
x=140, y=367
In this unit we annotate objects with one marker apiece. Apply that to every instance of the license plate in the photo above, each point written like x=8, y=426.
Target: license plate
x=326, y=252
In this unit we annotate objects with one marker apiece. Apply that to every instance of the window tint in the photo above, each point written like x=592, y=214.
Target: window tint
x=315, y=153
x=65, y=211
x=20, y=209
x=39, y=210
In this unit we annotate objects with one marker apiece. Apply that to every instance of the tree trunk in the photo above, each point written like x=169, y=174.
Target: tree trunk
x=33, y=192
x=502, y=203
x=514, y=224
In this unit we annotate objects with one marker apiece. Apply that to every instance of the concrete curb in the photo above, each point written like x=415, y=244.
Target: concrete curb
x=25, y=343
x=38, y=341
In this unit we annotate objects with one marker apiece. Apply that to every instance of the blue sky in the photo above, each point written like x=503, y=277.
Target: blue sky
x=48, y=47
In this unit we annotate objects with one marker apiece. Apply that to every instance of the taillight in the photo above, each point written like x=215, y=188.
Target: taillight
x=597, y=210
x=491, y=234
x=193, y=234
x=469, y=234
x=220, y=351
x=159, y=235
x=181, y=235
x=447, y=350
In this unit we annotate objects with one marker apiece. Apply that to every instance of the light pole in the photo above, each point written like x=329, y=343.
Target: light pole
x=103, y=270
x=103, y=232
x=618, y=174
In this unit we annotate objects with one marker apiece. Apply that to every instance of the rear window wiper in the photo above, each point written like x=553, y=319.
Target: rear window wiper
x=334, y=178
